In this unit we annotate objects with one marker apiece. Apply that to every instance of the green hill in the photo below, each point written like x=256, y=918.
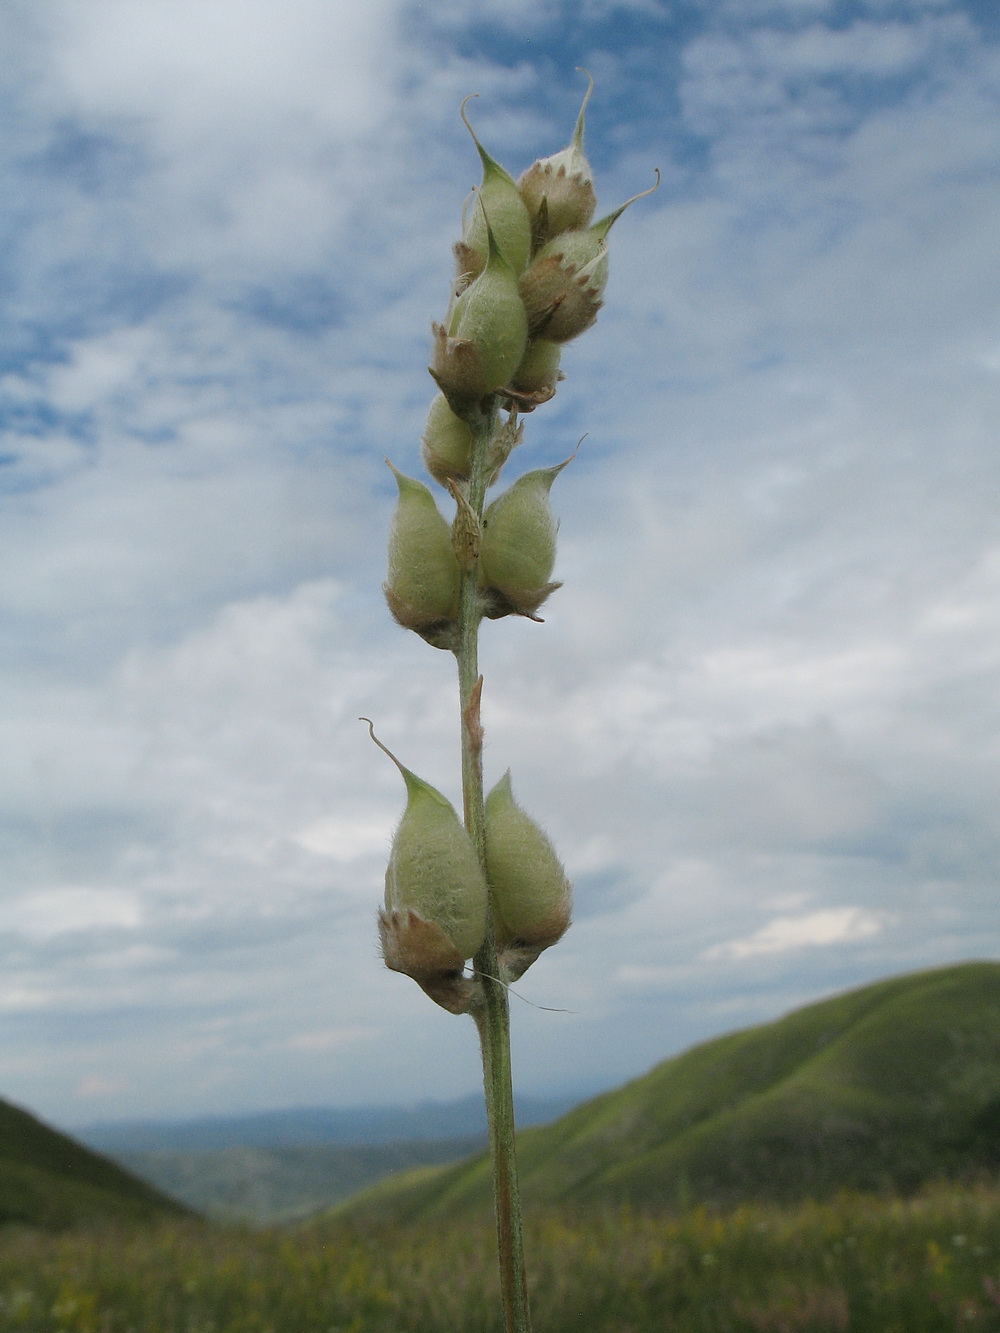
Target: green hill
x=883, y=1088
x=49, y=1180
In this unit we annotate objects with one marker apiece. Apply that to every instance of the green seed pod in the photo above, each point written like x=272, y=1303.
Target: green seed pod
x=486, y=335
x=423, y=580
x=563, y=287
x=518, y=548
x=446, y=444
x=529, y=891
x=435, y=895
x=534, y=382
x=559, y=190
x=498, y=199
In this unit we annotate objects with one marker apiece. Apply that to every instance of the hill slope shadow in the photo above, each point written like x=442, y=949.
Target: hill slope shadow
x=49, y=1180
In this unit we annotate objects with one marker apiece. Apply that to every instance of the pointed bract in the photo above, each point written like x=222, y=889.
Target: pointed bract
x=499, y=200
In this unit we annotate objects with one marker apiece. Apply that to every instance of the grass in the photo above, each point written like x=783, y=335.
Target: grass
x=855, y=1264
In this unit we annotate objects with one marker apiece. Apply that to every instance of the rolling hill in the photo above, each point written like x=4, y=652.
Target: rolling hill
x=883, y=1088
x=49, y=1180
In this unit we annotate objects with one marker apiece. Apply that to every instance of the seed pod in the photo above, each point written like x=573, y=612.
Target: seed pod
x=498, y=199
x=486, y=335
x=563, y=287
x=435, y=895
x=529, y=891
x=518, y=548
x=423, y=581
x=534, y=382
x=559, y=190
x=446, y=444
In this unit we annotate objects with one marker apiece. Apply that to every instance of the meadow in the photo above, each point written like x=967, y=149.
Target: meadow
x=857, y=1264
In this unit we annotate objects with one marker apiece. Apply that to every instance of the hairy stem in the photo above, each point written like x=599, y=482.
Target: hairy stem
x=492, y=1015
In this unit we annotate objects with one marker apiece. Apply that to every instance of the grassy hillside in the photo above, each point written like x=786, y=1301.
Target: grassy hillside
x=883, y=1088
x=48, y=1180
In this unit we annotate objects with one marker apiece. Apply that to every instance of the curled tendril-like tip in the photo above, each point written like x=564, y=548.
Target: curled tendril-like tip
x=383, y=748
x=461, y=112
x=604, y=226
x=566, y=461
x=483, y=154
x=578, y=132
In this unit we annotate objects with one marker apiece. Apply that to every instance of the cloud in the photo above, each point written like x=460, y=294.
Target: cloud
x=67, y=910
x=814, y=930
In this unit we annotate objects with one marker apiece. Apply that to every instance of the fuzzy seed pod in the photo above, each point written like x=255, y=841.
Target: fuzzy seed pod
x=518, y=548
x=446, y=444
x=534, y=382
x=423, y=580
x=529, y=890
x=564, y=285
x=435, y=895
x=486, y=336
x=498, y=199
x=559, y=190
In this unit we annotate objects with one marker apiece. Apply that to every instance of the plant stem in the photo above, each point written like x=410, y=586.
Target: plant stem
x=492, y=1014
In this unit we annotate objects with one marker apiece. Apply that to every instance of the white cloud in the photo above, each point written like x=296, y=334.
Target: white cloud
x=68, y=909
x=839, y=925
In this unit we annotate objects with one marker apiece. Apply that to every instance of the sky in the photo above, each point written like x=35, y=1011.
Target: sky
x=761, y=721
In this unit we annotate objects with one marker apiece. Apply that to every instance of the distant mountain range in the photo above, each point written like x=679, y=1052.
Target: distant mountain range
x=48, y=1180
x=463, y=1117
x=280, y=1165
x=883, y=1089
